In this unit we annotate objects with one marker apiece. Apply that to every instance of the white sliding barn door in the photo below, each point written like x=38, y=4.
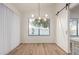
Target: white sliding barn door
x=62, y=28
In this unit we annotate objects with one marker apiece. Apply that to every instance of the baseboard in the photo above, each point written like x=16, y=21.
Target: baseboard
x=62, y=49
x=13, y=49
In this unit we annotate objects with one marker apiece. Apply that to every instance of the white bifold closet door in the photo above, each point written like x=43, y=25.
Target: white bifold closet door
x=9, y=30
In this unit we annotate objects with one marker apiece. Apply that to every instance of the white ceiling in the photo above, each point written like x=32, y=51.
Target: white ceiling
x=26, y=7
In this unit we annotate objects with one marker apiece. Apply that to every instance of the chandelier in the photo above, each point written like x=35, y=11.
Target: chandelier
x=40, y=21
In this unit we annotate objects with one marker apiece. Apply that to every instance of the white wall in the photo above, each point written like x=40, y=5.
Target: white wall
x=45, y=8
x=62, y=28
x=72, y=5
x=9, y=30
x=74, y=12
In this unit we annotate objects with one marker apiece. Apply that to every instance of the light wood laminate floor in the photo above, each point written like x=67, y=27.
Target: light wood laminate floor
x=37, y=49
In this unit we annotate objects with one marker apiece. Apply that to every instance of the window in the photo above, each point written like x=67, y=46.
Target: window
x=38, y=27
x=74, y=27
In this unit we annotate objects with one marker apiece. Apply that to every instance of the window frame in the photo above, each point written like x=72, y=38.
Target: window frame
x=38, y=35
x=74, y=19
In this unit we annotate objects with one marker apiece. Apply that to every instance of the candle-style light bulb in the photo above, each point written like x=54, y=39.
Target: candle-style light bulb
x=39, y=18
x=46, y=15
x=32, y=15
x=45, y=19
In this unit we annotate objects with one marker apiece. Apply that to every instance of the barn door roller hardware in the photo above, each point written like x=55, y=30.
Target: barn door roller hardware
x=67, y=5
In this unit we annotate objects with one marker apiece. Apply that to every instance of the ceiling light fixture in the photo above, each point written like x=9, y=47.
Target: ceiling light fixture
x=39, y=11
x=40, y=20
